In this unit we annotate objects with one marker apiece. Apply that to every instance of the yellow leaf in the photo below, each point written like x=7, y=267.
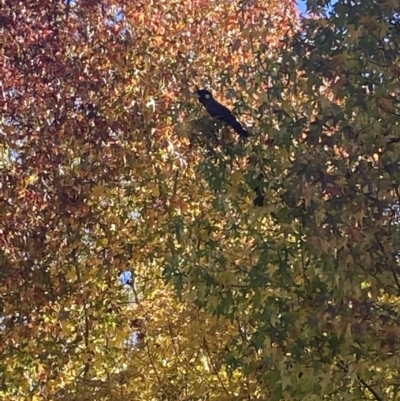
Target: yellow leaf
x=353, y=34
x=227, y=278
x=213, y=301
x=237, y=177
x=339, y=59
x=155, y=190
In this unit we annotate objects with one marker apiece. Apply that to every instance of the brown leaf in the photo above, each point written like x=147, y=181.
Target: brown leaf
x=237, y=43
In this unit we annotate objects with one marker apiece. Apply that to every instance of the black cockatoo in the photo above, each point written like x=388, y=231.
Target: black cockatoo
x=218, y=110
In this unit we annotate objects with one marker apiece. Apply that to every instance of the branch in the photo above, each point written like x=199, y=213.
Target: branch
x=371, y=390
x=214, y=368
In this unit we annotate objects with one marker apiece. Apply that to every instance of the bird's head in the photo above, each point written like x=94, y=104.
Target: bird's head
x=203, y=95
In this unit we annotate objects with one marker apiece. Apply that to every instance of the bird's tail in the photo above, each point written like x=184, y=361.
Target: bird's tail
x=239, y=129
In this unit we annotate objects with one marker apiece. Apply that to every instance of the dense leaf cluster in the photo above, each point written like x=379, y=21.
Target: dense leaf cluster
x=264, y=269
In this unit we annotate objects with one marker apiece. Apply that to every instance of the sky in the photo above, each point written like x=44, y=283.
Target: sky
x=302, y=5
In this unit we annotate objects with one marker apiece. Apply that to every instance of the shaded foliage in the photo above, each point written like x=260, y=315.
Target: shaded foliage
x=108, y=165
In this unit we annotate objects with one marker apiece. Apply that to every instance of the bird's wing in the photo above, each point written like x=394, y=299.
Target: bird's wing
x=218, y=110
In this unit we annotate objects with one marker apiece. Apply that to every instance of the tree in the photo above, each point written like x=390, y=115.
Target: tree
x=97, y=170
x=312, y=279
x=108, y=167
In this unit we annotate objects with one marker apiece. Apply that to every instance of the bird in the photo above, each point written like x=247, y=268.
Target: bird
x=219, y=111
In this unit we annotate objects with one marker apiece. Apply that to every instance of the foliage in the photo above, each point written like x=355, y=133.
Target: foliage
x=108, y=166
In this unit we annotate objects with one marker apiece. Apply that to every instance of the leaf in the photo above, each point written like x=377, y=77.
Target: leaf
x=237, y=43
